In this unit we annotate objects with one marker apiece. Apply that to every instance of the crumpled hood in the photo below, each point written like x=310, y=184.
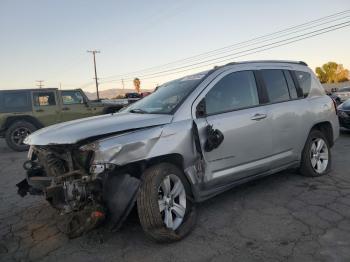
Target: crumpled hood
x=74, y=131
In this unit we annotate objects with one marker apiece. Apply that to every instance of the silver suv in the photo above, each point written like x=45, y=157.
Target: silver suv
x=193, y=138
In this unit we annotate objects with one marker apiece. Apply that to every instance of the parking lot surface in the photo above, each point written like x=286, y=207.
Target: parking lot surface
x=284, y=217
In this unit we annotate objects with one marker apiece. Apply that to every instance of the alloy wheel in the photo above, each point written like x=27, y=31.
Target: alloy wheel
x=319, y=155
x=19, y=134
x=172, y=201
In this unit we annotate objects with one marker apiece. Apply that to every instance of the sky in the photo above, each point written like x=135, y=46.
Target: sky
x=48, y=40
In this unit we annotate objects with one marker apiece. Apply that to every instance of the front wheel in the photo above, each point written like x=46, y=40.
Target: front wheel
x=166, y=210
x=316, y=157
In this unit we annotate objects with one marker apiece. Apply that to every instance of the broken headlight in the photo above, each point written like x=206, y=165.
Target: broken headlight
x=98, y=161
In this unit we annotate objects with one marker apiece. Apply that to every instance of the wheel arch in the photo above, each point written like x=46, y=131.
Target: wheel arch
x=326, y=128
x=136, y=169
x=12, y=119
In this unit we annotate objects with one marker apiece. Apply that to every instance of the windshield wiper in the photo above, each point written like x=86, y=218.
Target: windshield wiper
x=138, y=111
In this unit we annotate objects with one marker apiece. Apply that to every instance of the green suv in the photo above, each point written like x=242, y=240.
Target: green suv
x=24, y=111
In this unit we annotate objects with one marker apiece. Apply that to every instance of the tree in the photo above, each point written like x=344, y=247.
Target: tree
x=332, y=72
x=137, y=85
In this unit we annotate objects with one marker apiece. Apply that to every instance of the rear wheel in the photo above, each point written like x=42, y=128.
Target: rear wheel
x=165, y=208
x=16, y=134
x=316, y=157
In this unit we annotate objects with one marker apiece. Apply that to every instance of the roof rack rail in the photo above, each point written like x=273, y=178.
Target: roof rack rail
x=268, y=61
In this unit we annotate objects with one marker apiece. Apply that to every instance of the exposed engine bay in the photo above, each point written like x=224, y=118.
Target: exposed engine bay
x=65, y=176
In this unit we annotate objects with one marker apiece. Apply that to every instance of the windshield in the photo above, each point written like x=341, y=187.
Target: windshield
x=346, y=105
x=167, y=97
x=344, y=89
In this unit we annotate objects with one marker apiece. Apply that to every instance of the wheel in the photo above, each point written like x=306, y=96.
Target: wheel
x=164, y=204
x=16, y=134
x=316, y=157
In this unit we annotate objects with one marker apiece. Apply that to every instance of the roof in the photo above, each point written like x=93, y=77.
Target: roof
x=29, y=89
x=269, y=61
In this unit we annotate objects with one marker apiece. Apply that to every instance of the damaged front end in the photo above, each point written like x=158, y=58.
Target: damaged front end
x=72, y=183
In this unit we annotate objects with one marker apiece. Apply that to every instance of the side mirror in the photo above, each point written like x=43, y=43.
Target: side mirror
x=201, y=109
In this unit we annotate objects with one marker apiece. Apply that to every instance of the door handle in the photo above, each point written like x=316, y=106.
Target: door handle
x=65, y=109
x=258, y=117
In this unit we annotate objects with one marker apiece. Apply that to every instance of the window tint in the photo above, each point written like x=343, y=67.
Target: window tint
x=304, y=80
x=13, y=100
x=44, y=99
x=18, y=101
x=291, y=86
x=72, y=97
x=276, y=85
x=234, y=91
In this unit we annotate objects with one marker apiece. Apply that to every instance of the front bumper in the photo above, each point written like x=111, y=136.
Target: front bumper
x=118, y=191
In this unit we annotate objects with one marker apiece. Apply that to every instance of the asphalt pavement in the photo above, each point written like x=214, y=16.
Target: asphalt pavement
x=284, y=217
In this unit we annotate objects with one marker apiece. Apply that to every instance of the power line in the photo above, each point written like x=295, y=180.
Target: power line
x=243, y=44
x=248, y=52
x=39, y=83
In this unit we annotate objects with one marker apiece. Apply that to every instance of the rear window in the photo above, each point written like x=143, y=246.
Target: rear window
x=15, y=102
x=304, y=80
x=292, y=89
x=276, y=85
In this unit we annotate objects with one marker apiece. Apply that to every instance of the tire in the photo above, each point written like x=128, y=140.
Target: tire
x=309, y=156
x=151, y=218
x=16, y=134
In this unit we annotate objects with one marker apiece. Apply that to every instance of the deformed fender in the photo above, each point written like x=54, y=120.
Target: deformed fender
x=119, y=194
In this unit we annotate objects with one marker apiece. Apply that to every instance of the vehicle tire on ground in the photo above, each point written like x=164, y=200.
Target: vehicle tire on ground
x=165, y=205
x=16, y=134
x=316, y=158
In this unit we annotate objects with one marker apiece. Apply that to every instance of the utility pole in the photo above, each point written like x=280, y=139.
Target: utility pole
x=94, y=52
x=123, y=84
x=39, y=83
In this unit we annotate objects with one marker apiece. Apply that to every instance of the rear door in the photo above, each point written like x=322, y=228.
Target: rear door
x=45, y=107
x=74, y=106
x=285, y=114
x=233, y=107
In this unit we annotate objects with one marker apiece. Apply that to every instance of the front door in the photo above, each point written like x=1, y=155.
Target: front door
x=74, y=106
x=233, y=107
x=45, y=107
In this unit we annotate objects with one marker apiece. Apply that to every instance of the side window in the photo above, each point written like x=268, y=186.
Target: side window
x=44, y=99
x=13, y=100
x=72, y=97
x=276, y=85
x=18, y=101
x=291, y=86
x=234, y=91
x=304, y=80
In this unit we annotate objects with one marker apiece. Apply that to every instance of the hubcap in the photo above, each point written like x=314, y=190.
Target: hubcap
x=19, y=134
x=172, y=201
x=319, y=155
